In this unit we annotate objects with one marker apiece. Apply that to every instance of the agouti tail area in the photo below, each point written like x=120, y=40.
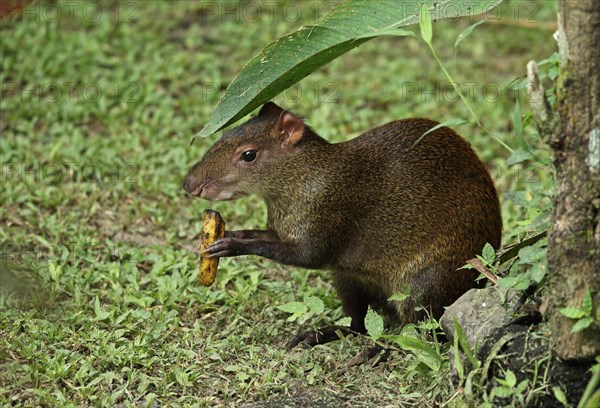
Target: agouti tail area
x=383, y=214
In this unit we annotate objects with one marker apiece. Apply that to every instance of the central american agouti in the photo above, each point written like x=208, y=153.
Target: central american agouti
x=382, y=213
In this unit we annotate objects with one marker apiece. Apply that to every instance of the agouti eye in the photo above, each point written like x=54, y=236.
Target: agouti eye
x=249, y=155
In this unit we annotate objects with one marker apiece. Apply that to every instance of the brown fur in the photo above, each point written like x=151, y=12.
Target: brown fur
x=378, y=212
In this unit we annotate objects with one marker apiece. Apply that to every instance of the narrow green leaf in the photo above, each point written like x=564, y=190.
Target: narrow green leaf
x=466, y=32
x=122, y=317
x=582, y=324
x=426, y=25
x=522, y=386
x=101, y=314
x=294, y=317
x=587, y=303
x=593, y=401
x=446, y=123
x=460, y=369
x=518, y=156
x=401, y=296
x=560, y=395
x=464, y=344
x=423, y=351
x=293, y=307
x=511, y=378
x=591, y=394
x=294, y=56
x=55, y=271
x=572, y=312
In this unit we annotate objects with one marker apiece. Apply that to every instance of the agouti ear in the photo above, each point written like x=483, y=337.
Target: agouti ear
x=289, y=129
x=270, y=108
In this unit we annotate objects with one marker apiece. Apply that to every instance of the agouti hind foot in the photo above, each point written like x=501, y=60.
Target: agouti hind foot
x=372, y=355
x=320, y=336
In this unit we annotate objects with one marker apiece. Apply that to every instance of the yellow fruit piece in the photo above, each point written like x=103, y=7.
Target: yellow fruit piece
x=213, y=228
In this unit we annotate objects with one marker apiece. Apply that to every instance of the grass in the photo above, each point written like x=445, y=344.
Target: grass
x=101, y=303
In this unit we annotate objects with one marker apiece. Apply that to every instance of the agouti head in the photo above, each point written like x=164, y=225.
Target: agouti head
x=244, y=160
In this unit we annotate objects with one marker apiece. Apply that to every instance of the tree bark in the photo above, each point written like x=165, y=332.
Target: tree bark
x=574, y=238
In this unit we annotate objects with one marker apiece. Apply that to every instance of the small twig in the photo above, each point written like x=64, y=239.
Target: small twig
x=458, y=391
x=477, y=264
x=527, y=293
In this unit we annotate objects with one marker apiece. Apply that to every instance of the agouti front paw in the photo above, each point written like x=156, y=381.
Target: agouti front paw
x=224, y=247
x=321, y=336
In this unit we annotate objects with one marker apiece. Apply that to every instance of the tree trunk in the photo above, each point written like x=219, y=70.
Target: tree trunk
x=574, y=238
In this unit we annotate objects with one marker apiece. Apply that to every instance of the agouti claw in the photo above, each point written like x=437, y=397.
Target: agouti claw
x=223, y=247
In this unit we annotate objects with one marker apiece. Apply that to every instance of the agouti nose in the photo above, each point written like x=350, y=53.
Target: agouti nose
x=192, y=186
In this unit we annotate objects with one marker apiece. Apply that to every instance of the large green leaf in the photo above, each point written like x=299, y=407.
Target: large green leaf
x=294, y=56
